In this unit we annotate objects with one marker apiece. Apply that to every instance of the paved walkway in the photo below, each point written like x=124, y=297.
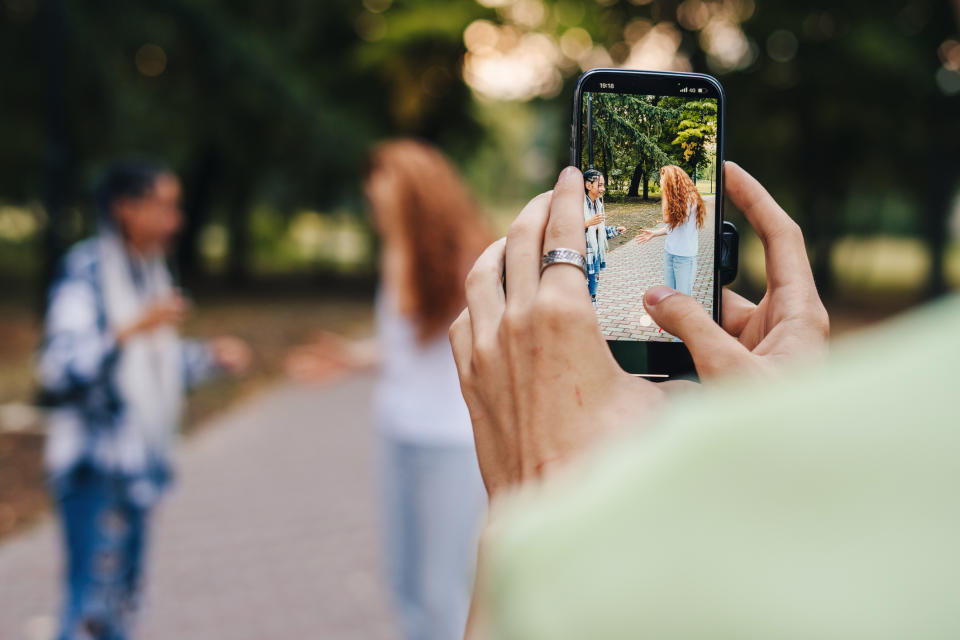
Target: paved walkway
x=632, y=269
x=271, y=533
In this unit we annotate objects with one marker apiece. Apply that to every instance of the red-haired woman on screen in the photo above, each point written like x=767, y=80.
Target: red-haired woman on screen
x=684, y=214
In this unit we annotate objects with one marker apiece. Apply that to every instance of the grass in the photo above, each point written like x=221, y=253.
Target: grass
x=635, y=215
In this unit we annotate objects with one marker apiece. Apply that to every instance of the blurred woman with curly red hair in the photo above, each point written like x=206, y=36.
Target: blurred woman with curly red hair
x=431, y=232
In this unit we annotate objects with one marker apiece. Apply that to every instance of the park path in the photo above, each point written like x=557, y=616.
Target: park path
x=271, y=533
x=632, y=268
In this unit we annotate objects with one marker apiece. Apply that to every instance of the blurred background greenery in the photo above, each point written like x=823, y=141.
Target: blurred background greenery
x=847, y=111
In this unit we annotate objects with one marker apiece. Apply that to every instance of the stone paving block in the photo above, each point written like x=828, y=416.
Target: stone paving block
x=633, y=268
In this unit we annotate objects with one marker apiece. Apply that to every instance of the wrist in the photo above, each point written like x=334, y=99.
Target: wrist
x=124, y=333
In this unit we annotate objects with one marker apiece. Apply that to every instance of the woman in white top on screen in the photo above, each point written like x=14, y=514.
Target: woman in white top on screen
x=684, y=213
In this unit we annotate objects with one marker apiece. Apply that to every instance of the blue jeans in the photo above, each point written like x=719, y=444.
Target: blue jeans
x=433, y=503
x=679, y=272
x=104, y=537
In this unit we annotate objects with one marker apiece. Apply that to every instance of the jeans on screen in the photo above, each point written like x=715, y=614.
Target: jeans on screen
x=679, y=272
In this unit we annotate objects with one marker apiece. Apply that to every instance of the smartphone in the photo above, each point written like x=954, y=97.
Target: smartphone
x=650, y=145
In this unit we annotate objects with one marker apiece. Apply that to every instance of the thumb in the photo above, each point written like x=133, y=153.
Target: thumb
x=714, y=351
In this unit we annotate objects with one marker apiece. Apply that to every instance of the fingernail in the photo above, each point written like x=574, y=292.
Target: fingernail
x=656, y=295
x=568, y=174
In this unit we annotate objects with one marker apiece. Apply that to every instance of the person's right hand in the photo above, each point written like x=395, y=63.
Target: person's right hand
x=171, y=311
x=597, y=219
x=535, y=370
x=789, y=321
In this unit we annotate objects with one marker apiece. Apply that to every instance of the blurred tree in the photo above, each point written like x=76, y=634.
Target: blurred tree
x=828, y=104
x=250, y=103
x=846, y=101
x=832, y=105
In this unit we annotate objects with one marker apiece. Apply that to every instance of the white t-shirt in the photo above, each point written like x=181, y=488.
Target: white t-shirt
x=418, y=397
x=682, y=240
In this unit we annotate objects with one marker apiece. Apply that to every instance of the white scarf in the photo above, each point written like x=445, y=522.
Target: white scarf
x=596, y=239
x=149, y=373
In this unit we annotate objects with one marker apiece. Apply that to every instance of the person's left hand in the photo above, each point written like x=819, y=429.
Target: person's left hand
x=644, y=236
x=621, y=229
x=231, y=354
x=535, y=370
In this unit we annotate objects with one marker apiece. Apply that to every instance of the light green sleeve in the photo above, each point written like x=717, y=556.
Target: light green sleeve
x=820, y=505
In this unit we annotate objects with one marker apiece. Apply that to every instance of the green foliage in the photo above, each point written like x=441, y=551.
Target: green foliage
x=696, y=131
x=633, y=136
x=251, y=103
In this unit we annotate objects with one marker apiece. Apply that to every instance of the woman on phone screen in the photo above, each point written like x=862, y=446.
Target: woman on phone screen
x=684, y=213
x=594, y=218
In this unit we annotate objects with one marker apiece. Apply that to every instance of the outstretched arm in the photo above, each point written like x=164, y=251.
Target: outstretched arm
x=646, y=235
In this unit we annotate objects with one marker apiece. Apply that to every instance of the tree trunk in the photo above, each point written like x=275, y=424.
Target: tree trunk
x=820, y=210
x=200, y=183
x=939, y=192
x=56, y=153
x=634, y=189
x=646, y=186
x=820, y=215
x=238, y=227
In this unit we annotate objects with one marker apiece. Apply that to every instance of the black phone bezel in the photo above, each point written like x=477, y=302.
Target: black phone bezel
x=657, y=360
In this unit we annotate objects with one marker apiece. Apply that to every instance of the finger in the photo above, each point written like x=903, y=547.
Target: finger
x=484, y=291
x=785, y=253
x=461, y=341
x=525, y=247
x=714, y=352
x=736, y=311
x=565, y=230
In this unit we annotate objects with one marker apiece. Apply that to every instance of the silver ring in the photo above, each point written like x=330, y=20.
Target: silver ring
x=564, y=256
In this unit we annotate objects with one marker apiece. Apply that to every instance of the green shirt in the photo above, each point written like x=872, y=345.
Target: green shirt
x=823, y=504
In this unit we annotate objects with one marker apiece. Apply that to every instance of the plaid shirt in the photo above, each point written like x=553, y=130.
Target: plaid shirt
x=596, y=251
x=75, y=368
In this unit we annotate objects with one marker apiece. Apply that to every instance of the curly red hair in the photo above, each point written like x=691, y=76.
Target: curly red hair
x=678, y=191
x=441, y=225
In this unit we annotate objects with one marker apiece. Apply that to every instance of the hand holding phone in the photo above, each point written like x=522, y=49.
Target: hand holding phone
x=539, y=382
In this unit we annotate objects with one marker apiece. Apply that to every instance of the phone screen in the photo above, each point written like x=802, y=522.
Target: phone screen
x=650, y=148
